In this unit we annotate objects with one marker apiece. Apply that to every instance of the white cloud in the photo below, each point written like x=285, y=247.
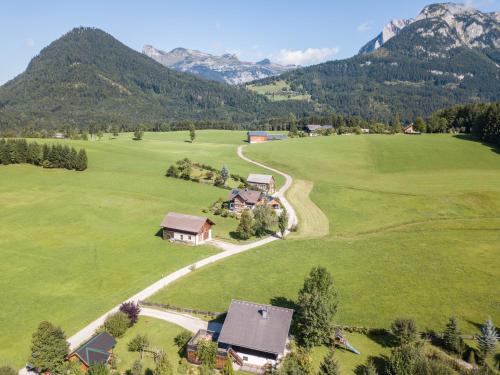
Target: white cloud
x=304, y=57
x=364, y=27
x=478, y=3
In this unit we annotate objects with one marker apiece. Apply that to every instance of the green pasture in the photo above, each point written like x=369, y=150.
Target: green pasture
x=413, y=231
x=74, y=244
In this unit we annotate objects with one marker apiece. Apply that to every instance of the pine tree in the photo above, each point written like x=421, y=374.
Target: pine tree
x=329, y=366
x=451, y=337
x=488, y=338
x=224, y=173
x=369, y=368
x=81, y=161
x=192, y=132
x=48, y=348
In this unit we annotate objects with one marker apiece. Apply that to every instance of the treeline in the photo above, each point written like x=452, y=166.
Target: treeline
x=19, y=151
x=481, y=120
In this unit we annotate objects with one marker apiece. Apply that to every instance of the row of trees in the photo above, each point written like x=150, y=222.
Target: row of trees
x=19, y=151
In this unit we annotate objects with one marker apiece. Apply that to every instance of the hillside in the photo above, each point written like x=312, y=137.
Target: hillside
x=87, y=76
x=226, y=68
x=427, y=65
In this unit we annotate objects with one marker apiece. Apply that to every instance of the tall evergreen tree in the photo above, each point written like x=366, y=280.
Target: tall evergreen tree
x=451, y=337
x=192, y=132
x=245, y=227
x=317, y=306
x=81, y=161
x=224, y=173
x=405, y=331
x=488, y=338
x=329, y=366
x=48, y=348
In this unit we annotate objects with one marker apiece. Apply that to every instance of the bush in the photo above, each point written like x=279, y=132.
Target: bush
x=116, y=324
x=98, y=369
x=132, y=310
x=173, y=171
x=182, y=339
x=405, y=331
x=207, y=353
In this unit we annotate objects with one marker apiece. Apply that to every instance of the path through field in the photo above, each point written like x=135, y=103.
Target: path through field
x=228, y=250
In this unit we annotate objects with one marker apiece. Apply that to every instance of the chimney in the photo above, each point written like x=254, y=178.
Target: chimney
x=265, y=313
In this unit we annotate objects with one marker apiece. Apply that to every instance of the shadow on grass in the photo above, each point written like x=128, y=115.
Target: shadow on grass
x=148, y=371
x=159, y=233
x=383, y=338
x=380, y=363
x=472, y=138
x=475, y=324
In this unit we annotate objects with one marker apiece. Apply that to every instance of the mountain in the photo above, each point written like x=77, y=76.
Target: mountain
x=87, y=76
x=448, y=55
x=226, y=68
x=471, y=27
x=389, y=31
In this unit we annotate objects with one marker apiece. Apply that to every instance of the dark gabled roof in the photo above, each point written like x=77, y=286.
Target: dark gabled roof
x=246, y=325
x=248, y=196
x=96, y=350
x=184, y=223
x=257, y=133
x=313, y=128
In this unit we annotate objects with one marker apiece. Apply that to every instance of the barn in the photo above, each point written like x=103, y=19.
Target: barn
x=190, y=229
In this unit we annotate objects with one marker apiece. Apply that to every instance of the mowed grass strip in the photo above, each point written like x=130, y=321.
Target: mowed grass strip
x=312, y=221
x=413, y=232
x=75, y=244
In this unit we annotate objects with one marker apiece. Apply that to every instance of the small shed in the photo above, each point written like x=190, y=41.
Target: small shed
x=190, y=229
x=262, y=182
x=257, y=136
x=98, y=349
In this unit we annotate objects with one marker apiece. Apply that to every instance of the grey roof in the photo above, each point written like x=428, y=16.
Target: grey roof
x=272, y=137
x=245, y=326
x=184, y=223
x=260, y=178
x=257, y=133
x=96, y=350
x=249, y=196
x=313, y=128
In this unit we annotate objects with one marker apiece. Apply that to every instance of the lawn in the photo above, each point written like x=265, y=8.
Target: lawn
x=160, y=334
x=74, y=244
x=279, y=90
x=413, y=231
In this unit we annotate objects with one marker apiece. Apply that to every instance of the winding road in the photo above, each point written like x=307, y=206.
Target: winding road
x=229, y=249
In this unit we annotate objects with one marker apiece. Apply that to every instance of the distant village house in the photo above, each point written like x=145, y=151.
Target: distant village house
x=243, y=199
x=410, y=129
x=253, y=336
x=99, y=349
x=59, y=135
x=194, y=230
x=262, y=136
x=314, y=130
x=262, y=182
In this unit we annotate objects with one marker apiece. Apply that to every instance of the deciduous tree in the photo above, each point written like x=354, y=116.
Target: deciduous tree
x=116, y=324
x=245, y=227
x=48, y=348
x=283, y=222
x=138, y=344
x=132, y=310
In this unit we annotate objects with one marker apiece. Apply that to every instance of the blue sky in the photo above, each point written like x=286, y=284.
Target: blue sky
x=292, y=31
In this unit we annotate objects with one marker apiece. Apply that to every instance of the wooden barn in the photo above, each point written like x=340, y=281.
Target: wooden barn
x=262, y=182
x=98, y=349
x=257, y=136
x=190, y=229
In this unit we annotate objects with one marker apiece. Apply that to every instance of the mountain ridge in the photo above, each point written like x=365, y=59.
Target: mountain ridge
x=226, y=68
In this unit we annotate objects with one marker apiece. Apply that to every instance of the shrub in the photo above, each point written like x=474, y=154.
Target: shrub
x=136, y=368
x=207, y=353
x=132, y=310
x=173, y=171
x=116, y=324
x=182, y=367
x=182, y=339
x=405, y=331
x=98, y=369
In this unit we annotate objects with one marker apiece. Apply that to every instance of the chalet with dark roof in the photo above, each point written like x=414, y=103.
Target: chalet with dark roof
x=190, y=229
x=254, y=336
x=242, y=199
x=98, y=349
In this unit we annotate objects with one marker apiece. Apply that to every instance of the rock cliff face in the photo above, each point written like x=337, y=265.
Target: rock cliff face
x=460, y=25
x=226, y=68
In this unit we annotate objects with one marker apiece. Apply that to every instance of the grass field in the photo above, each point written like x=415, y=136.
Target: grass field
x=279, y=90
x=74, y=244
x=160, y=334
x=413, y=231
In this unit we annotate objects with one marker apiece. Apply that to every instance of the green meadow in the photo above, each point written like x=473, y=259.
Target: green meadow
x=74, y=244
x=414, y=230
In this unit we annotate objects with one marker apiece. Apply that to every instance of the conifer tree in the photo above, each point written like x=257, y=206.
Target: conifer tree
x=451, y=337
x=329, y=366
x=192, y=133
x=81, y=163
x=224, y=173
x=488, y=338
x=245, y=227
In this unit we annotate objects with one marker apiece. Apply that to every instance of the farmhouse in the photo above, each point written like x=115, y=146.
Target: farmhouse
x=242, y=199
x=98, y=349
x=253, y=336
x=314, y=130
x=262, y=182
x=190, y=229
x=410, y=129
x=262, y=136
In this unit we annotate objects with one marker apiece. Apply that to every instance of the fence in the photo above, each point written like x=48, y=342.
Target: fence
x=182, y=309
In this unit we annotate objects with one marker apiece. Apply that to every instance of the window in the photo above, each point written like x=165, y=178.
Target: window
x=182, y=237
x=189, y=238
